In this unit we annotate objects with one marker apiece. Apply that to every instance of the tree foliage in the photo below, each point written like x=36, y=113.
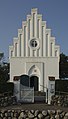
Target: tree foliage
x=63, y=66
x=4, y=69
x=1, y=56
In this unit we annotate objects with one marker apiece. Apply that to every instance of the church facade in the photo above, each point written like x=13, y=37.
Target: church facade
x=34, y=53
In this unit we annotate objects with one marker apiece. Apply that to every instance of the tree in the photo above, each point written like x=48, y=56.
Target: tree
x=4, y=69
x=5, y=87
x=63, y=66
x=1, y=57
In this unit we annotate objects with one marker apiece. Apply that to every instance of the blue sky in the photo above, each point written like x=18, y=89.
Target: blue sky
x=13, y=12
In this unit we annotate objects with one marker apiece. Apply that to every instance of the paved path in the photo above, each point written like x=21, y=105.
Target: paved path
x=38, y=106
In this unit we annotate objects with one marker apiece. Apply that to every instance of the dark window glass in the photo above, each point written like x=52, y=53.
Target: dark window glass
x=33, y=43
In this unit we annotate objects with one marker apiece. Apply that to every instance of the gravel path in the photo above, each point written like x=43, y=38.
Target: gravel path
x=35, y=106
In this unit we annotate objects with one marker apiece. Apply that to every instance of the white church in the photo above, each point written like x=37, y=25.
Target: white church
x=34, y=55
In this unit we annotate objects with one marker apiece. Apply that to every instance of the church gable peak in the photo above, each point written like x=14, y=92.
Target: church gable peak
x=34, y=27
x=34, y=10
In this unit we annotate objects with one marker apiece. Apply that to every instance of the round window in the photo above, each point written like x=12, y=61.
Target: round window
x=33, y=43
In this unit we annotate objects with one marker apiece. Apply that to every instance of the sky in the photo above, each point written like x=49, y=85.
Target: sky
x=13, y=12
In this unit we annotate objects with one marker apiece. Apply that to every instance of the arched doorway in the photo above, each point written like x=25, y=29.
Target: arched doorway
x=24, y=80
x=34, y=81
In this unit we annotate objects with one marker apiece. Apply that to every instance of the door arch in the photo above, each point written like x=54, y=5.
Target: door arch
x=34, y=82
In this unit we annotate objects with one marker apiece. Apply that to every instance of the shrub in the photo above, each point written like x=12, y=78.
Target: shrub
x=61, y=86
x=6, y=88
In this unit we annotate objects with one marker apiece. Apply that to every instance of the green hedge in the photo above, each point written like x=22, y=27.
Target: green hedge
x=61, y=86
x=6, y=88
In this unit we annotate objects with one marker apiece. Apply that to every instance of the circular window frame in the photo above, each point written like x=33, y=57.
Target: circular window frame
x=37, y=43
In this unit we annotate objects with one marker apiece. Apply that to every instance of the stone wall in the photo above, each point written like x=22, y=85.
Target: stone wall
x=5, y=101
x=33, y=114
x=60, y=100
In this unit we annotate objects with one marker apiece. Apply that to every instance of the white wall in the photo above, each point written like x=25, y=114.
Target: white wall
x=47, y=67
